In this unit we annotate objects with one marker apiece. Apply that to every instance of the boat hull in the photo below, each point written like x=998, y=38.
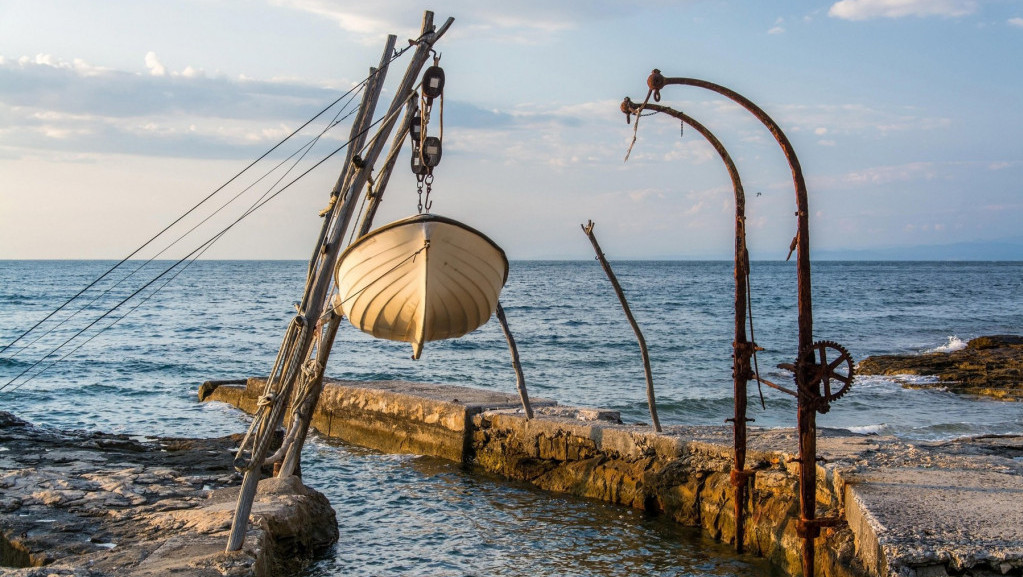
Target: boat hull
x=424, y=278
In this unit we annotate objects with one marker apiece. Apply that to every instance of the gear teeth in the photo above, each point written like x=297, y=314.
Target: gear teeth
x=822, y=402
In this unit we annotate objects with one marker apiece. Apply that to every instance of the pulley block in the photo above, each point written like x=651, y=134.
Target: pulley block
x=431, y=151
x=418, y=168
x=433, y=82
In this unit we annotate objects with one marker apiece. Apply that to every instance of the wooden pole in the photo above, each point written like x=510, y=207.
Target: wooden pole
x=357, y=139
x=351, y=181
x=588, y=229
x=332, y=248
x=384, y=174
x=520, y=379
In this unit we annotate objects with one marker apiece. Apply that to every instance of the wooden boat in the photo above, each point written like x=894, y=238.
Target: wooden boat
x=424, y=278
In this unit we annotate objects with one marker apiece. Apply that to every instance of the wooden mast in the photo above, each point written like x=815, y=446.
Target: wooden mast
x=313, y=328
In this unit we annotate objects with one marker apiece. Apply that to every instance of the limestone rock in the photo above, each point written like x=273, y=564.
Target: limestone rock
x=991, y=366
x=80, y=504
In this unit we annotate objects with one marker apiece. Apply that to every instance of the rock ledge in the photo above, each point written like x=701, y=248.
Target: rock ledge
x=991, y=366
x=94, y=504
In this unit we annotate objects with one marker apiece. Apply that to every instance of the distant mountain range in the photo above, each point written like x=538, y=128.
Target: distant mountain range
x=1003, y=250
x=1000, y=250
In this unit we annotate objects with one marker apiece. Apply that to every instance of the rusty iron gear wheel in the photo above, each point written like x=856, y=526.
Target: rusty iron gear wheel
x=825, y=371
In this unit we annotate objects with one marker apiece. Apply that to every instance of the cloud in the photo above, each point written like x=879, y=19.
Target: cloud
x=523, y=21
x=776, y=30
x=857, y=119
x=880, y=175
x=870, y=9
x=1017, y=22
x=55, y=105
x=154, y=66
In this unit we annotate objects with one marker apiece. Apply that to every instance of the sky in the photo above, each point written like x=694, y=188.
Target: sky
x=118, y=116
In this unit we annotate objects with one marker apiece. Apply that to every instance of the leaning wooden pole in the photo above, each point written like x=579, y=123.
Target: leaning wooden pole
x=520, y=379
x=742, y=349
x=295, y=352
x=588, y=229
x=384, y=174
x=361, y=172
x=356, y=140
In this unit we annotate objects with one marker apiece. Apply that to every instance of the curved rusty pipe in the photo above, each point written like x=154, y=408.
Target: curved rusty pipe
x=741, y=372
x=656, y=81
x=806, y=417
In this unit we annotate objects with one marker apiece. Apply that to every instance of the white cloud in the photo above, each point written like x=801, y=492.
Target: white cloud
x=1017, y=22
x=70, y=106
x=870, y=9
x=776, y=30
x=523, y=21
x=154, y=66
x=843, y=119
x=888, y=174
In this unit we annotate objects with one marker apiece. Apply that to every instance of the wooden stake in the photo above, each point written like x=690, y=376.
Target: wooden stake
x=588, y=229
x=520, y=379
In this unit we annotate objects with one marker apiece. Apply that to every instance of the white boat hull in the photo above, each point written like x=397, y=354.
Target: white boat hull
x=424, y=278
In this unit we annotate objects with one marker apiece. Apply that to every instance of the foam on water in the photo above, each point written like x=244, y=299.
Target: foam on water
x=954, y=344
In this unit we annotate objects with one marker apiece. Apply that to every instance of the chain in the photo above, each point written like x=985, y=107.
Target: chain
x=427, y=203
x=426, y=151
x=419, y=188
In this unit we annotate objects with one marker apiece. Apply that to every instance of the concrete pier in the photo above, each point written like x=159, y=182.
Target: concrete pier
x=913, y=510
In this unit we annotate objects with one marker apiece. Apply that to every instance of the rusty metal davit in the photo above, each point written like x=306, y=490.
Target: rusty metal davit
x=823, y=370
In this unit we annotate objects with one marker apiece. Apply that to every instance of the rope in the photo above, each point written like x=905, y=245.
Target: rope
x=306, y=147
x=202, y=248
x=752, y=335
x=635, y=127
x=185, y=214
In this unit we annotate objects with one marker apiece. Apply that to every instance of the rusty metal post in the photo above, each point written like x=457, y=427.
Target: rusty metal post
x=804, y=366
x=742, y=349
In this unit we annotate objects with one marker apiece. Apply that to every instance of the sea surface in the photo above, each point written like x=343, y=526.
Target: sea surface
x=420, y=516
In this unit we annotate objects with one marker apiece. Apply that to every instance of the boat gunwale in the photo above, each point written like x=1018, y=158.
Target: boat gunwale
x=423, y=218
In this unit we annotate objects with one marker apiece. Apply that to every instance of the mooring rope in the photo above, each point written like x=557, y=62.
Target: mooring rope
x=305, y=149
x=350, y=93
x=260, y=203
x=182, y=216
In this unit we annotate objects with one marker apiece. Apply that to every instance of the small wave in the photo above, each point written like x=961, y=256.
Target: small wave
x=917, y=380
x=878, y=429
x=954, y=344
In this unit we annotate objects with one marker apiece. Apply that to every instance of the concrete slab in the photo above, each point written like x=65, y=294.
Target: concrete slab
x=923, y=519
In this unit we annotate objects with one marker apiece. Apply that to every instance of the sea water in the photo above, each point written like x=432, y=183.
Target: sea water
x=420, y=516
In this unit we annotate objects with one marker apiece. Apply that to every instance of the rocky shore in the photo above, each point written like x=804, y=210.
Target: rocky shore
x=90, y=504
x=990, y=366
